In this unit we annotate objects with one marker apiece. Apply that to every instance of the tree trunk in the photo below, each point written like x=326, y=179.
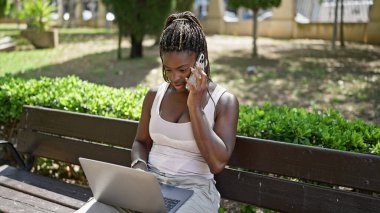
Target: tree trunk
x=3, y=5
x=341, y=23
x=254, y=17
x=335, y=25
x=120, y=36
x=136, y=50
x=72, y=7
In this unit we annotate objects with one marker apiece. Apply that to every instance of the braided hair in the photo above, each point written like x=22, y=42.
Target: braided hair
x=183, y=32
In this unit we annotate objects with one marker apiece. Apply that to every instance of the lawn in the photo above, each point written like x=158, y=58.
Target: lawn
x=297, y=73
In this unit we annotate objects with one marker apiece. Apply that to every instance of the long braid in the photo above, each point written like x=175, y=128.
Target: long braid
x=183, y=32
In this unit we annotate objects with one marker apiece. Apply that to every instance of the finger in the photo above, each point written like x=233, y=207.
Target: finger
x=204, y=79
x=201, y=68
x=189, y=83
x=199, y=71
x=189, y=86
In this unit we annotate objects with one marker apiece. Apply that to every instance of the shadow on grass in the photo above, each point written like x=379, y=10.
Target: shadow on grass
x=354, y=71
x=275, y=80
x=307, y=77
x=343, y=61
x=102, y=68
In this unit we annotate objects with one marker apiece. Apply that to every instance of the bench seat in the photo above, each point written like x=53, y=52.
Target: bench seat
x=23, y=190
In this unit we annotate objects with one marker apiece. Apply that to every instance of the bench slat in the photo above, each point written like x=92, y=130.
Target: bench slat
x=51, y=190
x=326, y=165
x=15, y=201
x=68, y=150
x=113, y=131
x=289, y=196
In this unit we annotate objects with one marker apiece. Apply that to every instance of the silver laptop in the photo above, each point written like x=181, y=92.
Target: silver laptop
x=130, y=188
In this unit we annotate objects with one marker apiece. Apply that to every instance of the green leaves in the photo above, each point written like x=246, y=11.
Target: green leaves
x=318, y=128
x=69, y=93
x=136, y=17
x=37, y=13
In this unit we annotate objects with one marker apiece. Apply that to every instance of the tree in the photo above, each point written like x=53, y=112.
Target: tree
x=73, y=21
x=255, y=6
x=342, y=23
x=137, y=18
x=3, y=7
x=335, y=25
x=177, y=6
x=6, y=7
x=183, y=5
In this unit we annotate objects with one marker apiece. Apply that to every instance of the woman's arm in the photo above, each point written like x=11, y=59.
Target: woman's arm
x=216, y=145
x=143, y=143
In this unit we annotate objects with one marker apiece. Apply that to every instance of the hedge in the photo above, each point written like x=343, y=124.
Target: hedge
x=326, y=128
x=68, y=93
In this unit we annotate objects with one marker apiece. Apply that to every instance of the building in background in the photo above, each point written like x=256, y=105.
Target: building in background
x=299, y=19
x=201, y=8
x=317, y=11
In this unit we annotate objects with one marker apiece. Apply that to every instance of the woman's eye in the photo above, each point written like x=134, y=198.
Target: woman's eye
x=184, y=69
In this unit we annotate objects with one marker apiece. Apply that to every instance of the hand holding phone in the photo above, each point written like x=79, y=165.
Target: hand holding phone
x=200, y=60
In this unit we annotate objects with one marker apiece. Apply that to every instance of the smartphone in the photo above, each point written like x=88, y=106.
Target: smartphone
x=201, y=59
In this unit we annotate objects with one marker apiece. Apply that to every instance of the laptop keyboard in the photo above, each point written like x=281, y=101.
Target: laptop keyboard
x=170, y=203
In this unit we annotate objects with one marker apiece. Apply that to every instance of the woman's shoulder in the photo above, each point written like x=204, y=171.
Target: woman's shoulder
x=228, y=101
x=152, y=92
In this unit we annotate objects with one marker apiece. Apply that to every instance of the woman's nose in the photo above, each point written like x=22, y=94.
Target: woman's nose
x=177, y=76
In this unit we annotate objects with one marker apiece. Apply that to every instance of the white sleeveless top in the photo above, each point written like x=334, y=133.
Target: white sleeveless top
x=174, y=149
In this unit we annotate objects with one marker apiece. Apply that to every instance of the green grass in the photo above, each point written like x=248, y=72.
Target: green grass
x=20, y=61
x=86, y=30
x=11, y=27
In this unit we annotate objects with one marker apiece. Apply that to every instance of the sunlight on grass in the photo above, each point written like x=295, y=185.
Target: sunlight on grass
x=11, y=27
x=84, y=30
x=21, y=61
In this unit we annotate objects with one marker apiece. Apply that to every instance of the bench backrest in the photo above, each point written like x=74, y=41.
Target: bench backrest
x=66, y=136
x=280, y=176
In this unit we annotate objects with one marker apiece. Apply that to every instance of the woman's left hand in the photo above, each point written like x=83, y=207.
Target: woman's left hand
x=197, y=94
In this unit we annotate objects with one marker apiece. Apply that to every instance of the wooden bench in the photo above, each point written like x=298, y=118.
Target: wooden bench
x=65, y=136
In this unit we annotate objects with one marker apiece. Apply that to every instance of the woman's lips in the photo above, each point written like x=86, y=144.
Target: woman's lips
x=179, y=86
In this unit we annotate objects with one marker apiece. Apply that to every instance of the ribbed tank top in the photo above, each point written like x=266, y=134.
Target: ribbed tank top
x=174, y=149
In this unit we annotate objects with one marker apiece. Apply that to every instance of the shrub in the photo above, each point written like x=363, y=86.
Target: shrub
x=37, y=14
x=295, y=125
x=318, y=128
x=69, y=93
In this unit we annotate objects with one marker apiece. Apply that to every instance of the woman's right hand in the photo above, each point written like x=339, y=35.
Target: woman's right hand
x=197, y=94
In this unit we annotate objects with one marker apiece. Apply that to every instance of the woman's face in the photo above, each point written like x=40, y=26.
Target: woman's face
x=177, y=67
